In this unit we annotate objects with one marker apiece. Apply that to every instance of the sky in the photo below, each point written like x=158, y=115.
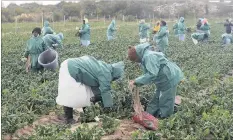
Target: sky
x=6, y=3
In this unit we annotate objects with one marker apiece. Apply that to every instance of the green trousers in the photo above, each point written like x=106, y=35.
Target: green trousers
x=162, y=104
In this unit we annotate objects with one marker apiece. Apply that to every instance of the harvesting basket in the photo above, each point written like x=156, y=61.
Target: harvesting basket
x=49, y=59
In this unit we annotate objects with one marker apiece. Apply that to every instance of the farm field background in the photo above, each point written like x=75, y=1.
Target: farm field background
x=206, y=110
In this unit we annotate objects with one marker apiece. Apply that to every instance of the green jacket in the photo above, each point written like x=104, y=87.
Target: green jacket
x=143, y=30
x=227, y=38
x=161, y=38
x=181, y=26
x=85, y=32
x=157, y=69
x=35, y=46
x=51, y=39
x=175, y=28
x=111, y=28
x=206, y=29
x=198, y=36
x=46, y=29
x=96, y=74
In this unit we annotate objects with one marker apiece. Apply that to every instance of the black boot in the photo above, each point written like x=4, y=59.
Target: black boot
x=68, y=115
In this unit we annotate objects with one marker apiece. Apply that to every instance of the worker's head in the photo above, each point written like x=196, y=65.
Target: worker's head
x=132, y=54
x=85, y=21
x=227, y=20
x=204, y=21
x=46, y=23
x=36, y=31
x=118, y=70
x=181, y=19
x=163, y=23
x=60, y=35
x=158, y=23
x=142, y=21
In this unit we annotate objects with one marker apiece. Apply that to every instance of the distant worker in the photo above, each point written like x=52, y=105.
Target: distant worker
x=111, y=31
x=199, y=23
x=181, y=29
x=161, y=38
x=227, y=38
x=35, y=46
x=47, y=29
x=85, y=33
x=228, y=25
x=84, y=80
x=205, y=28
x=53, y=41
x=144, y=31
x=175, y=28
x=199, y=37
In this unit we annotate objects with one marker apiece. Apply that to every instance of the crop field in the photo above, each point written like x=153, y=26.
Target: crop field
x=206, y=111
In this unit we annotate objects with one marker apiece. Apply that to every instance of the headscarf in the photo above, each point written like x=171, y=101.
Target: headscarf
x=37, y=29
x=118, y=70
x=86, y=20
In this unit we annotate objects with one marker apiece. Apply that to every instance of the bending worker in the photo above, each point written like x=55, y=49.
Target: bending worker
x=84, y=80
x=35, y=46
x=227, y=38
x=165, y=74
x=47, y=29
x=53, y=41
x=85, y=33
x=111, y=30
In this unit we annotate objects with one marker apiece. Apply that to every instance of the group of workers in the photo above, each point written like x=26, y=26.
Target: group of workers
x=85, y=80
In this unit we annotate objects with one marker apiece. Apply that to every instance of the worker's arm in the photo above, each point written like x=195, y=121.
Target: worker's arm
x=151, y=68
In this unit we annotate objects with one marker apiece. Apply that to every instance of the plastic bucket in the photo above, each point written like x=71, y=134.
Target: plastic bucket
x=49, y=59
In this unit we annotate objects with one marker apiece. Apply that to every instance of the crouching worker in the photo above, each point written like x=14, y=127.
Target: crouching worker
x=53, y=41
x=35, y=46
x=199, y=37
x=227, y=38
x=84, y=80
x=164, y=74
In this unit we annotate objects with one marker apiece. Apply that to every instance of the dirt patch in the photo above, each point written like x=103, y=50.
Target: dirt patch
x=124, y=131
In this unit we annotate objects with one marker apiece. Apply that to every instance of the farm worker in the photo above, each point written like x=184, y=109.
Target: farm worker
x=157, y=69
x=205, y=27
x=85, y=33
x=197, y=37
x=161, y=38
x=228, y=25
x=84, y=80
x=156, y=28
x=199, y=23
x=46, y=29
x=111, y=30
x=181, y=29
x=35, y=46
x=227, y=38
x=144, y=32
x=175, y=28
x=53, y=41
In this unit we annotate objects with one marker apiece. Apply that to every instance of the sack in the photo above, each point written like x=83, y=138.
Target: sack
x=148, y=121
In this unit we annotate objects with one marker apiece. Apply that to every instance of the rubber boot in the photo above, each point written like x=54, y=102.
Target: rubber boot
x=68, y=115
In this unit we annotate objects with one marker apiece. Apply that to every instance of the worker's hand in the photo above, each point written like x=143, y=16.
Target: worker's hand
x=182, y=81
x=27, y=68
x=131, y=84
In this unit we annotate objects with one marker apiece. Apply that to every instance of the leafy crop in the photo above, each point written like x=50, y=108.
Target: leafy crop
x=206, y=111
